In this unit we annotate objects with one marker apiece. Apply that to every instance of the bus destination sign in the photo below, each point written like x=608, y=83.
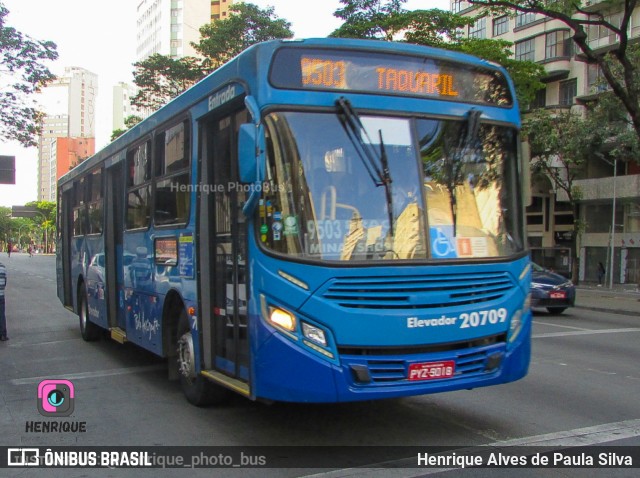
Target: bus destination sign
x=319, y=72
x=380, y=73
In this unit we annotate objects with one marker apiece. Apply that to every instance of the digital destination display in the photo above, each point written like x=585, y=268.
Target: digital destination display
x=382, y=73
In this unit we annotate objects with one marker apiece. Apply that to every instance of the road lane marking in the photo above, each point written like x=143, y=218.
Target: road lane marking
x=586, y=436
x=561, y=326
x=38, y=344
x=96, y=374
x=585, y=332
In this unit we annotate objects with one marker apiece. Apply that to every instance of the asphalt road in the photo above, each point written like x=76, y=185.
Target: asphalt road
x=582, y=389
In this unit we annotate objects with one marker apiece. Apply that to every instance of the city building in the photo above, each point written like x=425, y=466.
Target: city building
x=169, y=26
x=220, y=9
x=69, y=107
x=67, y=153
x=570, y=83
x=122, y=94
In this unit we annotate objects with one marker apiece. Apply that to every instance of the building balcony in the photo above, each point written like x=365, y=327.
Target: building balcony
x=557, y=68
x=601, y=189
x=604, y=43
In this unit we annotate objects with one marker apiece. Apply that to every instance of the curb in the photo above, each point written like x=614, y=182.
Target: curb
x=608, y=311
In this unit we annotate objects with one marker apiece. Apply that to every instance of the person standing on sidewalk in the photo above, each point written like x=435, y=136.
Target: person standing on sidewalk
x=601, y=273
x=3, y=317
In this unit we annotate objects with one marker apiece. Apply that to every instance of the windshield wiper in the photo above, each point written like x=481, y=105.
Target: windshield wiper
x=376, y=163
x=352, y=124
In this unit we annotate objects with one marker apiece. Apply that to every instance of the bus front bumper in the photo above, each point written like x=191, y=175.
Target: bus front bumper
x=288, y=373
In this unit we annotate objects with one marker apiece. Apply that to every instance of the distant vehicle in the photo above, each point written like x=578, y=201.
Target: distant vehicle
x=550, y=290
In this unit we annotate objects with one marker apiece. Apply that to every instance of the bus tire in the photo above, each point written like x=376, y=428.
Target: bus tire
x=197, y=389
x=89, y=331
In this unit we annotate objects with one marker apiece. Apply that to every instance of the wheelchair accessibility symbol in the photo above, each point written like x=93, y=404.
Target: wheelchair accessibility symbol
x=442, y=245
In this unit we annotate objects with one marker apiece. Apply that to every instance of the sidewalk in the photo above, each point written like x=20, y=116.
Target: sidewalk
x=621, y=299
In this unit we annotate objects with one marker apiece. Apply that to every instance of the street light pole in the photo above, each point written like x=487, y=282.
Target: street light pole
x=613, y=222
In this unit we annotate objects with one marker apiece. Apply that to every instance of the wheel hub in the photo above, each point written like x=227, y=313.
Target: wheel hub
x=186, y=364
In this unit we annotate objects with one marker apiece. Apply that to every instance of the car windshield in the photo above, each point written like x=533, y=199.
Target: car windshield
x=357, y=188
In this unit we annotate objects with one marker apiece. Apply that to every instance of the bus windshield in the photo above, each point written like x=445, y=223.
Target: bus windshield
x=344, y=187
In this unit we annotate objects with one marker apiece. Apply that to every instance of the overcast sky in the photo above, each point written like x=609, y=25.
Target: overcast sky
x=100, y=37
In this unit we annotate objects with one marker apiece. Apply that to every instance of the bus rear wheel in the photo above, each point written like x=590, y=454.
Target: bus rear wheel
x=88, y=329
x=197, y=389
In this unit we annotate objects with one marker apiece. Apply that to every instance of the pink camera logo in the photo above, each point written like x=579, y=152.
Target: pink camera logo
x=56, y=398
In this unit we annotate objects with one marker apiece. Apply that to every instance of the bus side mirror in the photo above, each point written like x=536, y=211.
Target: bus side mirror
x=251, y=153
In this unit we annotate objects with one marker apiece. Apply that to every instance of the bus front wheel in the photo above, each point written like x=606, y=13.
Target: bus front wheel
x=88, y=329
x=197, y=389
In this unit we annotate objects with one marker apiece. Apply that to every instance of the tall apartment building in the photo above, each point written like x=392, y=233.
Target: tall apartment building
x=569, y=84
x=169, y=26
x=122, y=94
x=69, y=106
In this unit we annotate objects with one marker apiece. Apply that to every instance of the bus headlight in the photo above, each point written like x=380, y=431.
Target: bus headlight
x=281, y=318
x=515, y=326
x=313, y=333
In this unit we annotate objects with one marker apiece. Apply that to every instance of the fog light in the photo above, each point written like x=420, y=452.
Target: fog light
x=493, y=361
x=313, y=333
x=282, y=318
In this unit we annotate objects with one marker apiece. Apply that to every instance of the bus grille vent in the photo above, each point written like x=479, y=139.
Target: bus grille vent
x=389, y=371
x=417, y=292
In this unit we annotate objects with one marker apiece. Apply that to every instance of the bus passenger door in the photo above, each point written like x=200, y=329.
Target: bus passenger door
x=113, y=261
x=222, y=252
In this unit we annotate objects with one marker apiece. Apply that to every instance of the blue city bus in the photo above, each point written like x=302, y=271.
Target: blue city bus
x=321, y=220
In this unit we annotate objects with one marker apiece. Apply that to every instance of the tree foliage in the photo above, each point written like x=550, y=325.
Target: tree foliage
x=246, y=25
x=375, y=19
x=22, y=73
x=561, y=144
x=371, y=19
x=618, y=62
x=130, y=121
x=161, y=78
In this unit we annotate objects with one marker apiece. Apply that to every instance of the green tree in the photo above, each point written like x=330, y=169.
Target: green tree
x=371, y=19
x=46, y=221
x=561, y=144
x=130, y=121
x=246, y=25
x=161, y=78
x=22, y=74
x=388, y=21
x=5, y=227
x=618, y=63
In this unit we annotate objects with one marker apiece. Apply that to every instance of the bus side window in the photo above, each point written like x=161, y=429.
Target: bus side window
x=139, y=182
x=171, y=204
x=79, y=209
x=96, y=208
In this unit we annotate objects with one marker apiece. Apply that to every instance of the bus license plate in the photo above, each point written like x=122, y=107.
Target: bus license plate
x=558, y=295
x=431, y=370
